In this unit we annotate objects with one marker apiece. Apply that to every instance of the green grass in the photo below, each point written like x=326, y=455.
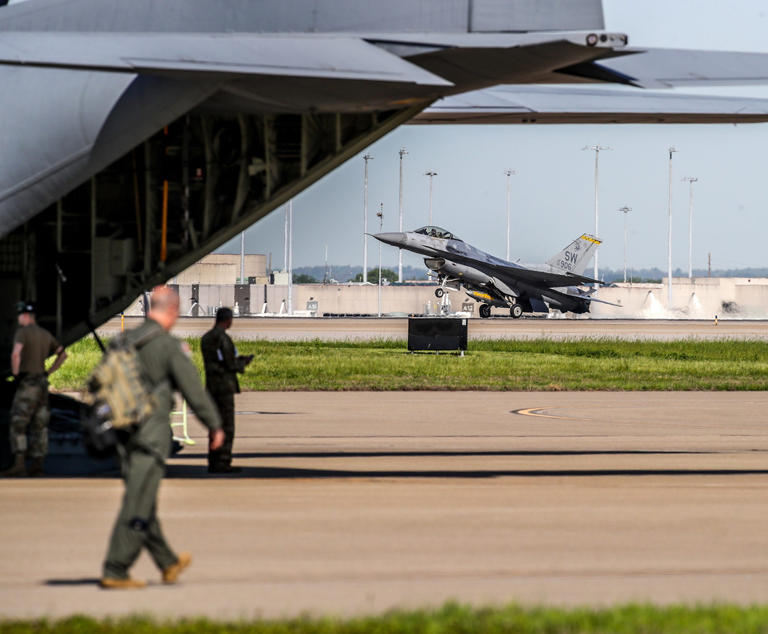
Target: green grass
x=595, y=364
x=451, y=619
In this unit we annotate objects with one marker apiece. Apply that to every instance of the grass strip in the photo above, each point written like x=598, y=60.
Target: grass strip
x=451, y=619
x=536, y=365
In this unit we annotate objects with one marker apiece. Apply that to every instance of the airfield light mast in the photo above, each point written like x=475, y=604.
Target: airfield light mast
x=509, y=173
x=596, y=149
x=430, y=173
x=691, y=180
x=285, y=242
x=290, y=256
x=381, y=228
x=672, y=150
x=626, y=210
x=366, y=158
x=242, y=256
x=402, y=153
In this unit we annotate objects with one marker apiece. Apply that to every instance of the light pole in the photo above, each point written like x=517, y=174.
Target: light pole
x=366, y=158
x=626, y=210
x=242, y=256
x=691, y=180
x=672, y=150
x=509, y=173
x=430, y=173
x=381, y=228
x=402, y=153
x=290, y=256
x=596, y=149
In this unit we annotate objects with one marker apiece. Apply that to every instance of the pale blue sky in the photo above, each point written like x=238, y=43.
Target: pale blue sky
x=552, y=193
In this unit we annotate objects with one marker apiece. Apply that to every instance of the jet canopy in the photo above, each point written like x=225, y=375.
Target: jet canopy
x=437, y=232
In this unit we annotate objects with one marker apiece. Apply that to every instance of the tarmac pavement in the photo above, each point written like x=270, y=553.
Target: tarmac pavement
x=362, y=329
x=355, y=503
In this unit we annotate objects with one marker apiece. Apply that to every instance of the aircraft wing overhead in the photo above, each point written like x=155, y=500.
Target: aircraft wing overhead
x=568, y=104
x=223, y=54
x=666, y=67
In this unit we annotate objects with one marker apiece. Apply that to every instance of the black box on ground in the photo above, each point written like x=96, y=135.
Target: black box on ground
x=438, y=333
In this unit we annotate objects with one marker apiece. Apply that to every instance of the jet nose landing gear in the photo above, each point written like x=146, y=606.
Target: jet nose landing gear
x=439, y=292
x=516, y=311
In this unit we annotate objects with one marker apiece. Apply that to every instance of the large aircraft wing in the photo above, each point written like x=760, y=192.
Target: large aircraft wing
x=666, y=67
x=217, y=55
x=609, y=104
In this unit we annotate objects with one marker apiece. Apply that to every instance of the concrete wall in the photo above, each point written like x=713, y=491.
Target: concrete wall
x=695, y=299
x=699, y=298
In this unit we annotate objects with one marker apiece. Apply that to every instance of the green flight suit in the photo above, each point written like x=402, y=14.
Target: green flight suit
x=221, y=367
x=29, y=411
x=167, y=369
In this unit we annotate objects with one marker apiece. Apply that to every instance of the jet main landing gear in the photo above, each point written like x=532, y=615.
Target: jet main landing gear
x=516, y=310
x=484, y=310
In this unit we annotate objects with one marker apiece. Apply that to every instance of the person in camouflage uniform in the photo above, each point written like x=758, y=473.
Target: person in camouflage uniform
x=222, y=365
x=167, y=367
x=32, y=345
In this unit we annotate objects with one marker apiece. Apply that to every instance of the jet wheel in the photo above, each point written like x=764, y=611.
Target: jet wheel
x=485, y=311
x=516, y=311
x=439, y=292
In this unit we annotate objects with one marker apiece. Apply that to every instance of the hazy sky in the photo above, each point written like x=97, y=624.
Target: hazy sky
x=552, y=192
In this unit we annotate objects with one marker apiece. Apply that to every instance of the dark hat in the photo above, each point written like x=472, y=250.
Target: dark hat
x=25, y=307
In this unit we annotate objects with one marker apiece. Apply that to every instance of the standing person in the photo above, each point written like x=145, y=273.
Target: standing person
x=167, y=368
x=222, y=364
x=32, y=345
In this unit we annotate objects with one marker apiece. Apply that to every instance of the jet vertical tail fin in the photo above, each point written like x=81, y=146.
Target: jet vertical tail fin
x=577, y=255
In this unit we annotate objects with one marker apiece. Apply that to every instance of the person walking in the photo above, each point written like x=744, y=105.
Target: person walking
x=32, y=345
x=167, y=368
x=222, y=364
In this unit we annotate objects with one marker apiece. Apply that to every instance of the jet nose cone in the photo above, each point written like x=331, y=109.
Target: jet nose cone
x=395, y=239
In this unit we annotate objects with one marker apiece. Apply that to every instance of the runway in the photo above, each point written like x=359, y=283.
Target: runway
x=355, y=503
x=362, y=329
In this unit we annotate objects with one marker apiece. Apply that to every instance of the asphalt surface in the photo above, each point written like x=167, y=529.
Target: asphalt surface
x=335, y=329
x=354, y=503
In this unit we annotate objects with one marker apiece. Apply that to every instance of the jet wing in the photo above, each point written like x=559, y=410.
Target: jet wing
x=609, y=104
x=543, y=279
x=187, y=55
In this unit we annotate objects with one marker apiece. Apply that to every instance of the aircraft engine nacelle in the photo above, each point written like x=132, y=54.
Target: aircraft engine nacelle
x=434, y=264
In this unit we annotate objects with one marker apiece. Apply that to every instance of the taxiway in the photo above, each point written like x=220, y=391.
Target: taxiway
x=353, y=503
x=361, y=329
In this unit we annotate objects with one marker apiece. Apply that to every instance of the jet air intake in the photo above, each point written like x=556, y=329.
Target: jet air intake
x=434, y=264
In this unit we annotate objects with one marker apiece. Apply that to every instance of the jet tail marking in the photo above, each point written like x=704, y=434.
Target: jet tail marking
x=577, y=255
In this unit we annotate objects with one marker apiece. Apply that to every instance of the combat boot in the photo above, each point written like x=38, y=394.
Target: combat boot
x=172, y=572
x=18, y=469
x=36, y=467
x=110, y=583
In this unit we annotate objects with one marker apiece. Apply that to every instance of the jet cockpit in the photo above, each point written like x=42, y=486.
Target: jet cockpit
x=437, y=232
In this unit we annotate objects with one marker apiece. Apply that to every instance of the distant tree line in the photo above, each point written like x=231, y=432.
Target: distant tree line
x=346, y=273
x=655, y=275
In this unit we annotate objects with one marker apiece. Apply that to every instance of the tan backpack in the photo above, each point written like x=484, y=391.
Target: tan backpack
x=116, y=389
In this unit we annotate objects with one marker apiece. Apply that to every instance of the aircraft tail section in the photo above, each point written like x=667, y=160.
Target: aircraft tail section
x=577, y=255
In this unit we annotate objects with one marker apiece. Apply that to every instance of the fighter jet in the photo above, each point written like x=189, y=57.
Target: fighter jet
x=495, y=282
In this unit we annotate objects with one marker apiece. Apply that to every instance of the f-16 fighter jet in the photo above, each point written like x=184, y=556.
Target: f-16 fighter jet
x=495, y=282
